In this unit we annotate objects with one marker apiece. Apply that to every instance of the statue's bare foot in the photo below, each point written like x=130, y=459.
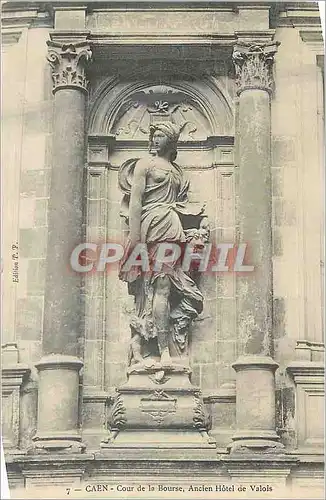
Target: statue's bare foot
x=166, y=358
x=138, y=358
x=149, y=363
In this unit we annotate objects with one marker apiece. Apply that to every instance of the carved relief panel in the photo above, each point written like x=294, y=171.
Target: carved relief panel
x=159, y=103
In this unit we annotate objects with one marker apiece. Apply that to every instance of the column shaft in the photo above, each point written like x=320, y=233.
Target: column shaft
x=254, y=218
x=63, y=308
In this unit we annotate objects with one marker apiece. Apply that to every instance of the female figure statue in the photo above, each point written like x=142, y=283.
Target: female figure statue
x=156, y=208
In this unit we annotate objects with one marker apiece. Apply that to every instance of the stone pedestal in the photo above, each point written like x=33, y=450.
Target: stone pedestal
x=158, y=408
x=255, y=405
x=255, y=369
x=58, y=404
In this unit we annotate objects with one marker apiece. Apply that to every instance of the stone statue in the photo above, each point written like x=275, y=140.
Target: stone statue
x=156, y=208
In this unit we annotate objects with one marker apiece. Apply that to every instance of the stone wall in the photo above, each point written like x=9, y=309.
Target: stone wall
x=27, y=116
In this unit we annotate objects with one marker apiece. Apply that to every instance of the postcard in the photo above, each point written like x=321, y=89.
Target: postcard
x=163, y=249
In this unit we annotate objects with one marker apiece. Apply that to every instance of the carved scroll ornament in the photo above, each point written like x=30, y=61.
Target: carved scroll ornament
x=69, y=62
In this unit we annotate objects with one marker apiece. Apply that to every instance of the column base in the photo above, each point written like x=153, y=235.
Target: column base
x=57, y=446
x=258, y=445
x=259, y=441
x=58, y=408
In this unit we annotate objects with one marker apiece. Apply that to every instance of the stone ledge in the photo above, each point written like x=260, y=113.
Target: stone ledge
x=294, y=16
x=19, y=458
x=300, y=455
x=15, y=19
x=312, y=36
x=13, y=375
x=137, y=464
x=98, y=396
x=306, y=456
x=307, y=371
x=13, y=16
x=244, y=458
x=10, y=36
x=222, y=395
x=307, y=350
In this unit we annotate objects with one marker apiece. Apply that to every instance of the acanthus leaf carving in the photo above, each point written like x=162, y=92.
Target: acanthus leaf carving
x=200, y=420
x=69, y=63
x=253, y=65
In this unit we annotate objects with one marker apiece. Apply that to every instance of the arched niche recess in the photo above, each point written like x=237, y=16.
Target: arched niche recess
x=119, y=115
x=121, y=112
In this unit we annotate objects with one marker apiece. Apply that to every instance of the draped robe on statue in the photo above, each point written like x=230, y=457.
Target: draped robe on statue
x=164, y=207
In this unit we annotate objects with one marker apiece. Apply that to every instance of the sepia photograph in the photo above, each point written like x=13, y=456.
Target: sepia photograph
x=162, y=249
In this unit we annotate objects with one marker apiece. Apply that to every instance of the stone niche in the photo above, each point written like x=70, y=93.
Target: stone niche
x=121, y=110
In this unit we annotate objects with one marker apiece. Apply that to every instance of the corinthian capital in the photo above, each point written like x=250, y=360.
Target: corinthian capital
x=68, y=62
x=253, y=65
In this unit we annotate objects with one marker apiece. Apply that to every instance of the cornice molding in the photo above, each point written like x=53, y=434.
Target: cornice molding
x=311, y=35
x=307, y=371
x=13, y=375
x=103, y=38
x=264, y=36
x=14, y=22
x=65, y=36
x=18, y=16
x=296, y=14
x=10, y=36
x=221, y=395
x=24, y=17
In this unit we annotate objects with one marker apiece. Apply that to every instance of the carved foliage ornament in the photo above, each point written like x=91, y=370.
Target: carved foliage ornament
x=253, y=65
x=118, y=416
x=158, y=103
x=200, y=420
x=69, y=63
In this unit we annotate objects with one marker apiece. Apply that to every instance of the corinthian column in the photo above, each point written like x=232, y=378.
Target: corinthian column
x=255, y=369
x=63, y=308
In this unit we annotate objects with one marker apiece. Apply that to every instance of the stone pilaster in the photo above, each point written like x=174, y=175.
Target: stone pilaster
x=58, y=414
x=255, y=368
x=14, y=374
x=310, y=403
